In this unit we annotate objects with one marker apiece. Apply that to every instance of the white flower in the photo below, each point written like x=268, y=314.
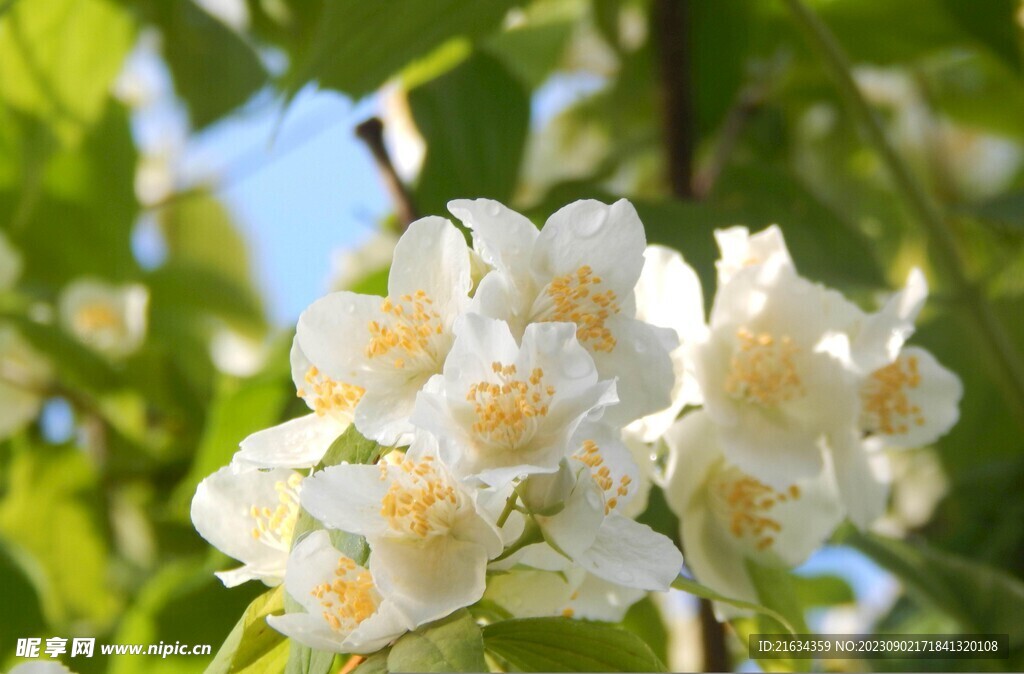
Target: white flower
x=776, y=371
x=250, y=515
x=302, y=442
x=501, y=410
x=24, y=374
x=429, y=542
x=349, y=266
x=727, y=516
x=589, y=530
x=41, y=668
x=739, y=250
x=108, y=318
x=581, y=268
x=574, y=593
x=10, y=263
x=669, y=295
x=347, y=609
x=236, y=353
x=391, y=346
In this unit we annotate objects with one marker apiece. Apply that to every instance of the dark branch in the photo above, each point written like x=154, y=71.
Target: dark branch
x=371, y=132
x=670, y=23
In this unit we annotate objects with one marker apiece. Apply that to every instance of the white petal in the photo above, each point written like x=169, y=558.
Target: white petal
x=668, y=293
x=632, y=554
x=808, y=520
x=597, y=599
x=740, y=250
x=610, y=461
x=862, y=493
x=333, y=333
x=504, y=238
x=608, y=239
x=297, y=443
x=882, y=335
x=383, y=414
x=716, y=561
x=641, y=365
x=693, y=453
x=429, y=580
x=432, y=256
x=531, y=593
x=348, y=497
x=575, y=528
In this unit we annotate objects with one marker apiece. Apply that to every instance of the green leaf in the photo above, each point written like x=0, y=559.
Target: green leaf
x=214, y=70
x=776, y=589
x=359, y=45
x=982, y=599
x=1006, y=210
x=304, y=660
x=253, y=645
x=21, y=612
x=823, y=590
x=374, y=664
x=693, y=587
x=992, y=23
x=350, y=447
x=561, y=645
x=644, y=620
x=453, y=644
x=533, y=51
x=479, y=156
x=54, y=67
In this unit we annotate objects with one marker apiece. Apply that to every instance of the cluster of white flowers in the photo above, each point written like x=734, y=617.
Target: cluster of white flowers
x=517, y=387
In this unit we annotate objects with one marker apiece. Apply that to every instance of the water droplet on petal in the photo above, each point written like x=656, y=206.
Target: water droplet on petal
x=493, y=210
x=350, y=308
x=640, y=346
x=624, y=576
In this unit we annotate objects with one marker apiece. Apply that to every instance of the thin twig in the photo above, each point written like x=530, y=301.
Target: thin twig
x=1008, y=368
x=670, y=19
x=371, y=132
x=747, y=103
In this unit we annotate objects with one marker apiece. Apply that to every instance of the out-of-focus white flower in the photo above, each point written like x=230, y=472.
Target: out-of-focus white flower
x=390, y=347
x=728, y=516
x=250, y=515
x=582, y=267
x=740, y=249
x=24, y=374
x=111, y=319
x=429, y=541
x=351, y=265
x=574, y=593
x=917, y=483
x=41, y=668
x=776, y=371
x=237, y=354
x=668, y=294
x=10, y=263
x=347, y=608
x=500, y=410
x=232, y=13
x=404, y=141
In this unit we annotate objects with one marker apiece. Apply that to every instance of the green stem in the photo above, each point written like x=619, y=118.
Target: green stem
x=510, y=505
x=531, y=534
x=1008, y=367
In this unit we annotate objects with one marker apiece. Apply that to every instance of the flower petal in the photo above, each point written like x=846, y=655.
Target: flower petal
x=882, y=335
x=503, y=237
x=297, y=443
x=633, y=555
x=432, y=256
x=640, y=363
x=862, y=493
x=347, y=497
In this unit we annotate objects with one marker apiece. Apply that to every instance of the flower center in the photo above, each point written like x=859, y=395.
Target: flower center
x=97, y=316
x=275, y=527
x=576, y=298
x=406, y=332
x=350, y=598
x=420, y=502
x=507, y=411
x=763, y=370
x=748, y=504
x=326, y=395
x=590, y=454
x=886, y=406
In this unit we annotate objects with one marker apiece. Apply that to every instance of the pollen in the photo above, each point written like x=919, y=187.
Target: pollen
x=96, y=316
x=406, y=330
x=349, y=599
x=886, y=406
x=420, y=502
x=614, y=491
x=276, y=526
x=507, y=408
x=326, y=395
x=763, y=370
x=577, y=298
x=748, y=504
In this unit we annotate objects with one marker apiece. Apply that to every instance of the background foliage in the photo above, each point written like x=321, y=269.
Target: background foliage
x=705, y=113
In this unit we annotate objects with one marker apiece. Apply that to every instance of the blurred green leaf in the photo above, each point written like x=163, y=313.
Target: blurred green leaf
x=644, y=620
x=532, y=51
x=452, y=644
x=777, y=589
x=479, y=156
x=1006, y=210
x=824, y=590
x=254, y=646
x=359, y=45
x=563, y=645
x=693, y=587
x=982, y=599
x=992, y=23
x=78, y=367
x=21, y=611
x=52, y=509
x=52, y=65
x=374, y=664
x=214, y=69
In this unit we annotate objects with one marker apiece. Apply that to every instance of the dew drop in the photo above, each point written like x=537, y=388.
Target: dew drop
x=493, y=210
